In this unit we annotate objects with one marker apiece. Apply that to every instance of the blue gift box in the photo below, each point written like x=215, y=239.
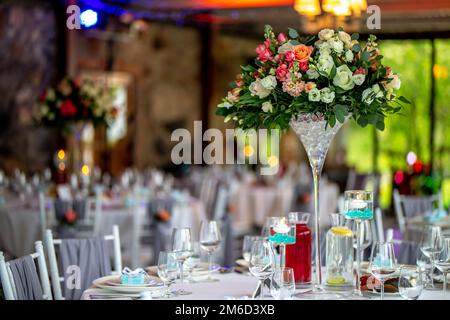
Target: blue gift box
x=133, y=277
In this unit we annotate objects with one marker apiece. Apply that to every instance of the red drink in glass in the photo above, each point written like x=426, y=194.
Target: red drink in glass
x=298, y=255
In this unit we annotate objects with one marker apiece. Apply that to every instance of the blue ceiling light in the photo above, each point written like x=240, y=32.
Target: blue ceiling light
x=89, y=18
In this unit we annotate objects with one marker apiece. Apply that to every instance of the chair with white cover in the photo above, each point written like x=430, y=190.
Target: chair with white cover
x=21, y=280
x=54, y=266
x=407, y=207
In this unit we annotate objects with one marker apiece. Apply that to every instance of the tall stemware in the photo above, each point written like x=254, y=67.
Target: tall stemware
x=358, y=206
x=429, y=245
x=209, y=241
x=382, y=263
x=262, y=262
x=182, y=247
x=316, y=136
x=443, y=259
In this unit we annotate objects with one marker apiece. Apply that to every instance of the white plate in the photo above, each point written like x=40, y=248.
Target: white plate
x=199, y=271
x=112, y=283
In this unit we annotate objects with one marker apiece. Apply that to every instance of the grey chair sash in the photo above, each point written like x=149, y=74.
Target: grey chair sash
x=407, y=253
x=26, y=279
x=413, y=206
x=161, y=230
x=91, y=256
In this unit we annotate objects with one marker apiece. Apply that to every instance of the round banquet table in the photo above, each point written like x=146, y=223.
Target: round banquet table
x=238, y=286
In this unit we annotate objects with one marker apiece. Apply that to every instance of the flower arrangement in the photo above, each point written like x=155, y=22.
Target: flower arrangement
x=74, y=101
x=331, y=75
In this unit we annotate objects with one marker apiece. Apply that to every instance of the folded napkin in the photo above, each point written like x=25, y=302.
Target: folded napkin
x=434, y=216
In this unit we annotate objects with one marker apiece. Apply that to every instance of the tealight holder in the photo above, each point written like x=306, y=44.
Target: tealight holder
x=358, y=206
x=282, y=232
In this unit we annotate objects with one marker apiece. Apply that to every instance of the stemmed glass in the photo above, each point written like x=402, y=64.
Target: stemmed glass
x=182, y=247
x=443, y=259
x=262, y=262
x=424, y=264
x=247, y=246
x=167, y=269
x=382, y=263
x=410, y=282
x=358, y=206
x=209, y=241
x=430, y=246
x=282, y=286
x=365, y=237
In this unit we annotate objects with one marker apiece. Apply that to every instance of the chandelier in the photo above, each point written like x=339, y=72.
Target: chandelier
x=313, y=8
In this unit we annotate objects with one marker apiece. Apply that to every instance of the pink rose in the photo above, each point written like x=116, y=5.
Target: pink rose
x=360, y=70
x=267, y=43
x=303, y=66
x=290, y=56
x=281, y=38
x=282, y=72
x=260, y=48
x=264, y=55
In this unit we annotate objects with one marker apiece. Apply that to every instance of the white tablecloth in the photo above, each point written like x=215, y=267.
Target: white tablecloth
x=237, y=286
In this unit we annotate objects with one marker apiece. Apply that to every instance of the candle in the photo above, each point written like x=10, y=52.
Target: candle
x=357, y=204
x=282, y=226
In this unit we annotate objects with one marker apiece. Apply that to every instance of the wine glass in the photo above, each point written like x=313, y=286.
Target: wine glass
x=282, y=286
x=262, y=262
x=424, y=264
x=209, y=241
x=382, y=262
x=247, y=246
x=410, y=282
x=430, y=246
x=365, y=236
x=167, y=269
x=193, y=261
x=443, y=259
x=182, y=247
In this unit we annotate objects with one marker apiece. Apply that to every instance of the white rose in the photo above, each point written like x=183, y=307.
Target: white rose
x=345, y=38
x=43, y=110
x=288, y=46
x=343, y=78
x=368, y=96
x=326, y=95
x=395, y=83
x=269, y=82
x=257, y=89
x=325, y=64
x=377, y=90
x=323, y=46
x=267, y=106
x=337, y=45
x=349, y=56
x=326, y=34
x=50, y=95
x=312, y=74
x=314, y=95
x=358, y=79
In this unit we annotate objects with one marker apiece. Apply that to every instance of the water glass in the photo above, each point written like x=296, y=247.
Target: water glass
x=431, y=246
x=247, y=246
x=425, y=265
x=262, y=262
x=410, y=282
x=282, y=286
x=443, y=260
x=167, y=269
x=382, y=263
x=182, y=247
x=209, y=241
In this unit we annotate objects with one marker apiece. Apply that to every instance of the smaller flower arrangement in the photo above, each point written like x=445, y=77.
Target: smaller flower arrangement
x=331, y=75
x=73, y=100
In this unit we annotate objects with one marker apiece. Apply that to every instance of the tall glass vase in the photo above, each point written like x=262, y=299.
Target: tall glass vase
x=316, y=137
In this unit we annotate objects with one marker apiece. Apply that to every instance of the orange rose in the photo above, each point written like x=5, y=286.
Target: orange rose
x=302, y=52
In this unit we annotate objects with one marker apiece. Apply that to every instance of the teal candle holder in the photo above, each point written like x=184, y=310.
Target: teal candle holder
x=366, y=214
